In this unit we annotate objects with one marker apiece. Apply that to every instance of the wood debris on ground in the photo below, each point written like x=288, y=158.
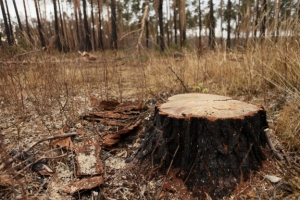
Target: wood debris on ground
x=87, y=56
x=87, y=155
x=115, y=118
x=56, y=166
x=63, y=142
x=84, y=184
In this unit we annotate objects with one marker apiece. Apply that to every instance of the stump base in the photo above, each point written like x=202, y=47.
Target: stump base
x=215, y=141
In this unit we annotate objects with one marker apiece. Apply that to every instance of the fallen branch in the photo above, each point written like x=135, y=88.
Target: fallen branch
x=181, y=81
x=167, y=173
x=139, y=44
x=41, y=158
x=270, y=144
x=39, y=141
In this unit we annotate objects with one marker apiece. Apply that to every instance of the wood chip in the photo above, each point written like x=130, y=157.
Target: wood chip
x=88, y=157
x=84, y=184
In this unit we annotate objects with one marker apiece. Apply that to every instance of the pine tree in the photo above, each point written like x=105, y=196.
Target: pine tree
x=7, y=31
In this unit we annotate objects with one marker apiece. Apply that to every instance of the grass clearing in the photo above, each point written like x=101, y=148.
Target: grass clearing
x=53, y=89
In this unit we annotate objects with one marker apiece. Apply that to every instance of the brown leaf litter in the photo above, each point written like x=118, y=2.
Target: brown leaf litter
x=63, y=142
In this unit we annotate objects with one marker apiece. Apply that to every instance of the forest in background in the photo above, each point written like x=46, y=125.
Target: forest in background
x=148, y=24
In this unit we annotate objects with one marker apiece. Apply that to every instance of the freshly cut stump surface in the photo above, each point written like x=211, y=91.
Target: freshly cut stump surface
x=214, y=140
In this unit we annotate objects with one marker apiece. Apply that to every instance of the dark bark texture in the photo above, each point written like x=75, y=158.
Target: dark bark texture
x=7, y=30
x=114, y=37
x=161, y=26
x=42, y=39
x=213, y=154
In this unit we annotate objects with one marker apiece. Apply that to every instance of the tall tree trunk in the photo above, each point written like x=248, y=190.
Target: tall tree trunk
x=78, y=30
x=7, y=32
x=42, y=39
x=200, y=28
x=221, y=19
x=238, y=22
x=93, y=24
x=114, y=37
x=175, y=20
x=9, y=22
x=228, y=24
x=147, y=33
x=276, y=19
x=27, y=24
x=81, y=29
x=100, y=41
x=256, y=18
x=88, y=44
x=161, y=26
x=264, y=18
x=168, y=34
x=247, y=20
x=147, y=26
x=62, y=27
x=182, y=23
x=211, y=37
x=57, y=38
x=18, y=17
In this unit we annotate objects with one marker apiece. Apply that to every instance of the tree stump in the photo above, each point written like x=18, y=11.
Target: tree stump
x=214, y=140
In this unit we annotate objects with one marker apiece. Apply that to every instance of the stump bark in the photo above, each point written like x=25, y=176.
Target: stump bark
x=214, y=140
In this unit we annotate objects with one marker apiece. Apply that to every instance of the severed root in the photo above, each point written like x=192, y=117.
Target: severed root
x=270, y=144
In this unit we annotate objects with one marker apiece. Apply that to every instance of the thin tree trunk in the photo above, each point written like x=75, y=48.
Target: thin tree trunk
x=211, y=39
x=108, y=24
x=100, y=41
x=88, y=44
x=147, y=32
x=247, y=21
x=82, y=43
x=114, y=37
x=62, y=27
x=175, y=21
x=93, y=24
x=221, y=19
x=57, y=38
x=7, y=32
x=147, y=27
x=238, y=21
x=42, y=39
x=228, y=24
x=161, y=26
x=264, y=18
x=9, y=22
x=276, y=23
x=18, y=17
x=256, y=18
x=200, y=28
x=27, y=24
x=78, y=36
x=182, y=23
x=168, y=34
x=39, y=9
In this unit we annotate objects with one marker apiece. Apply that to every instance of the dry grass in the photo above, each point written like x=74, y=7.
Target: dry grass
x=55, y=88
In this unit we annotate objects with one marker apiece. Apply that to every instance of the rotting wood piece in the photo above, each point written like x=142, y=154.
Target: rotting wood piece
x=87, y=157
x=115, y=119
x=219, y=141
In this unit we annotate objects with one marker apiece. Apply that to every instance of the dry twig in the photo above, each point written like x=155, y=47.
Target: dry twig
x=39, y=141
